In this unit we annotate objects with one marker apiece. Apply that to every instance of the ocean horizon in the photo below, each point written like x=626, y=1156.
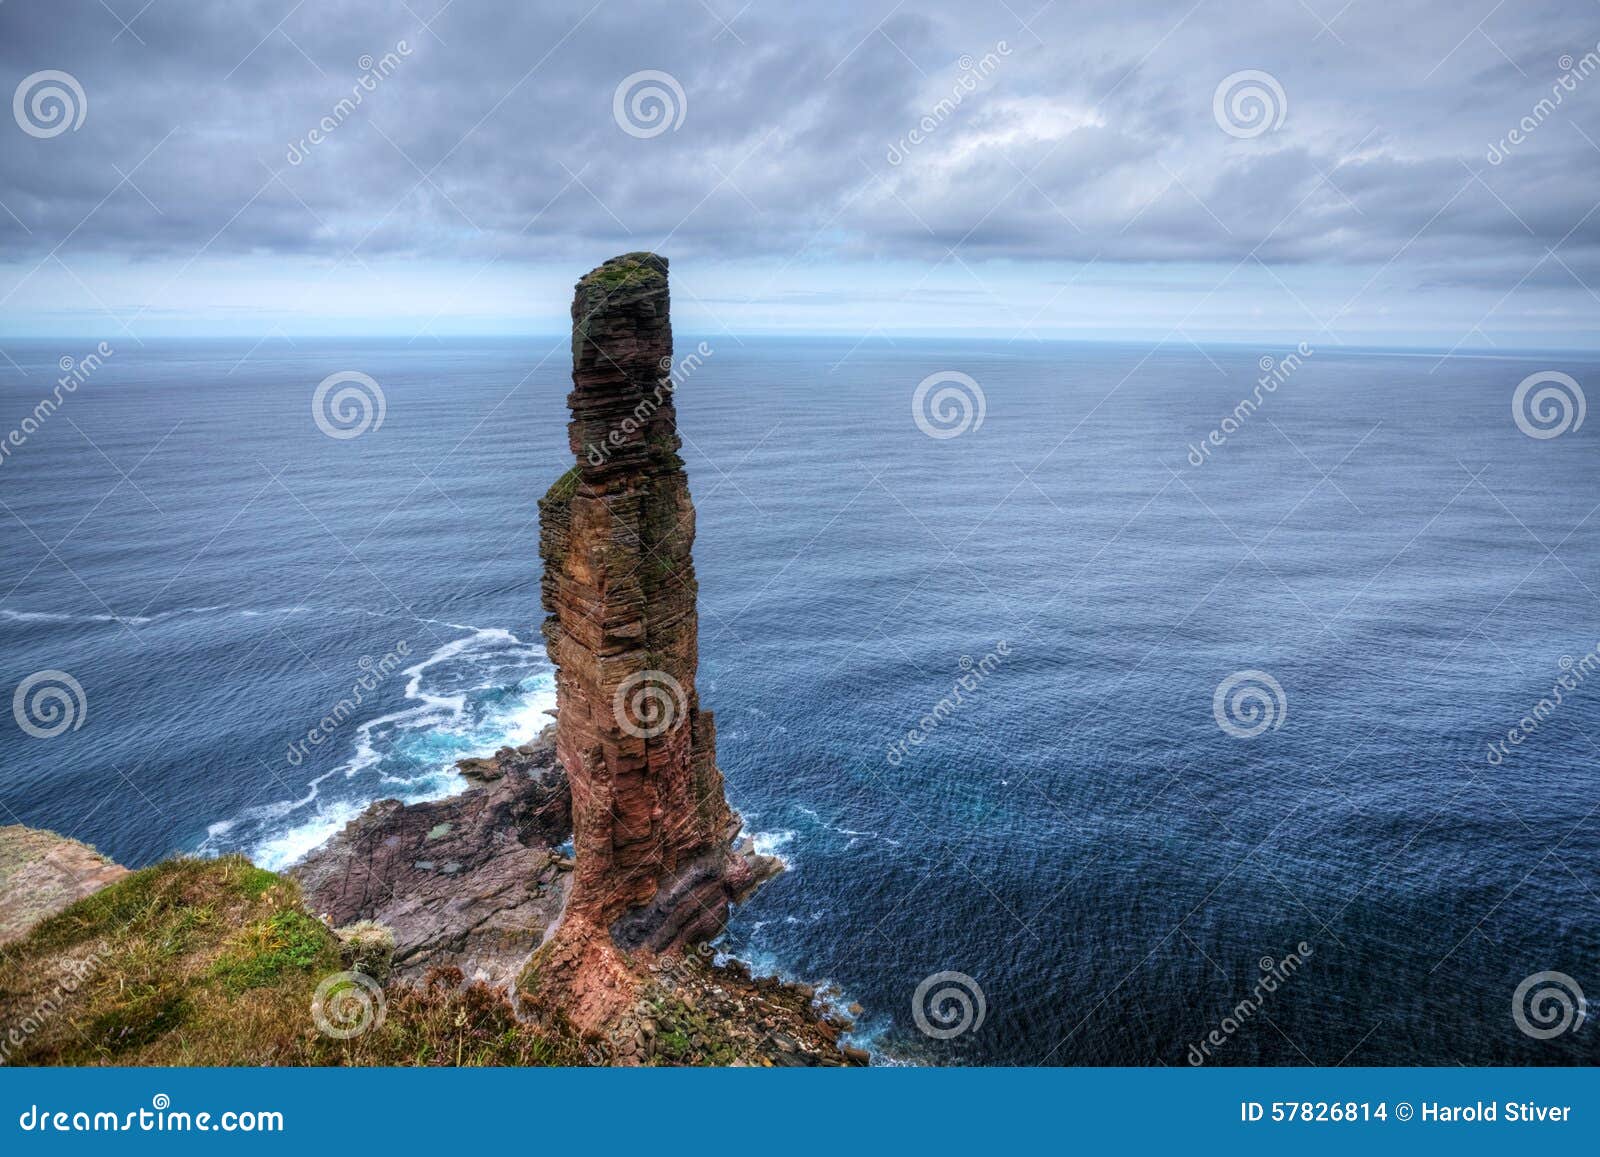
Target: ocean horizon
x=1213, y=698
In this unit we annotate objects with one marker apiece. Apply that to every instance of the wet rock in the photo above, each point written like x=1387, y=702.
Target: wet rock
x=454, y=880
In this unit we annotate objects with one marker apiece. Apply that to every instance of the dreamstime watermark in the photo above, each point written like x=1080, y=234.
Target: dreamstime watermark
x=373, y=672
x=1573, y=673
x=1572, y=72
x=74, y=372
x=1273, y=374
x=1273, y=974
x=972, y=72
x=348, y=1004
x=47, y=104
x=1249, y=702
x=348, y=404
x=974, y=673
x=73, y=975
x=1550, y=411
x=648, y=103
x=948, y=1004
x=48, y=703
x=156, y=1119
x=649, y=703
x=1547, y=1004
x=1248, y=103
x=948, y=404
x=675, y=374
x=373, y=73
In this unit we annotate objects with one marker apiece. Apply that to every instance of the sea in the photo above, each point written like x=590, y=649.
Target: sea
x=1109, y=705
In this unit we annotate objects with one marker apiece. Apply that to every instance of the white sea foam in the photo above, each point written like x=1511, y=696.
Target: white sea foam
x=470, y=696
x=282, y=850
x=769, y=843
x=855, y=836
x=12, y=616
x=57, y=617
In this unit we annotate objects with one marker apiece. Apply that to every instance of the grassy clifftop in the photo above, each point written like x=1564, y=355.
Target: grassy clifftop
x=215, y=962
x=218, y=962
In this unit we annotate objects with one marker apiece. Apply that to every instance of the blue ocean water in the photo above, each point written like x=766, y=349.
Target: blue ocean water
x=1105, y=864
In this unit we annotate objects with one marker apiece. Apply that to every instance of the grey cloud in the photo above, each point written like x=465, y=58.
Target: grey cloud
x=494, y=137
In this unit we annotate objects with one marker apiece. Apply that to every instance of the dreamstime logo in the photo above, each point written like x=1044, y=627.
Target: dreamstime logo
x=1247, y=703
x=74, y=973
x=47, y=703
x=1573, y=72
x=972, y=72
x=1248, y=103
x=1549, y=412
x=348, y=1004
x=974, y=672
x=952, y=409
x=948, y=1004
x=1573, y=674
x=49, y=103
x=352, y=411
x=622, y=434
x=1548, y=1004
x=373, y=672
x=648, y=103
x=1274, y=974
x=649, y=703
x=1274, y=372
x=74, y=373
x=373, y=73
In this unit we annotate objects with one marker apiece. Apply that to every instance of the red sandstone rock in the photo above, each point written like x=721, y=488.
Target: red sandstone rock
x=652, y=830
x=41, y=873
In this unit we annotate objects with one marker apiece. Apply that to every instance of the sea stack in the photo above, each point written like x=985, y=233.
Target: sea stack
x=655, y=866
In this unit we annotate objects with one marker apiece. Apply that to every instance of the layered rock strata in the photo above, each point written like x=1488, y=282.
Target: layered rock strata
x=41, y=873
x=652, y=831
x=472, y=882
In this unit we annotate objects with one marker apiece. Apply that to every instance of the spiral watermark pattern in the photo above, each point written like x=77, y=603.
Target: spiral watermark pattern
x=348, y=1004
x=1548, y=1004
x=648, y=103
x=649, y=703
x=950, y=410
x=1551, y=411
x=1248, y=703
x=48, y=703
x=1248, y=103
x=350, y=411
x=948, y=1004
x=47, y=104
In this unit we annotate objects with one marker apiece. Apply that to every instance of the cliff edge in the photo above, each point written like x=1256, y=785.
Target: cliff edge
x=41, y=873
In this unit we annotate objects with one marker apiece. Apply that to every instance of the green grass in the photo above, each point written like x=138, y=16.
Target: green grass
x=215, y=962
x=563, y=488
x=286, y=940
x=629, y=269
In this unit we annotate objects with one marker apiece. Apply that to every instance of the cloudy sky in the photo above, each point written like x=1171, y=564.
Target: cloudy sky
x=1321, y=170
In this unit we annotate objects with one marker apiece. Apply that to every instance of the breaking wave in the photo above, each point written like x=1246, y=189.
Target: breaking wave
x=473, y=694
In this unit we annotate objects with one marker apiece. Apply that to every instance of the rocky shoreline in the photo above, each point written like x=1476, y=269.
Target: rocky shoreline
x=609, y=946
x=463, y=891
x=472, y=882
x=478, y=882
